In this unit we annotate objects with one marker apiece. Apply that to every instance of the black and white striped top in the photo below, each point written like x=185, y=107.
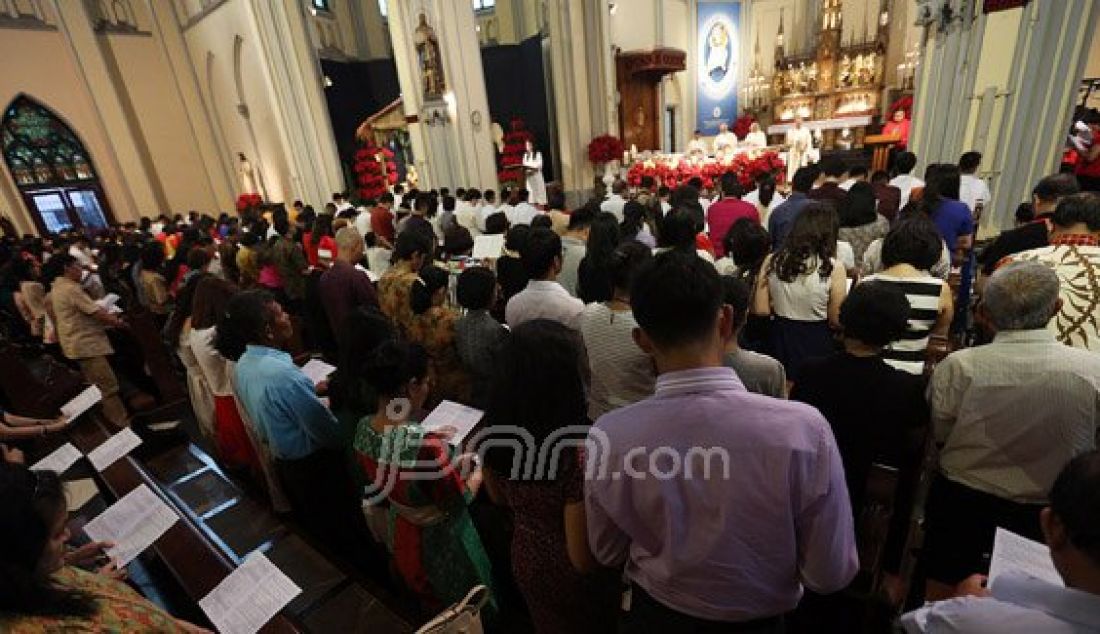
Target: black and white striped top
x=923, y=294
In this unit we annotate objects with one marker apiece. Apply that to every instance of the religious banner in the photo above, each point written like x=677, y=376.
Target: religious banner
x=718, y=63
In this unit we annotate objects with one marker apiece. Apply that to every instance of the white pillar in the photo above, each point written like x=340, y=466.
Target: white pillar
x=138, y=191
x=298, y=100
x=454, y=150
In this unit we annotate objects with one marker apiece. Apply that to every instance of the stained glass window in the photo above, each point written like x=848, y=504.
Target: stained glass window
x=39, y=148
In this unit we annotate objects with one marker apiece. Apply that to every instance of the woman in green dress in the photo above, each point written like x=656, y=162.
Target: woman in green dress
x=414, y=475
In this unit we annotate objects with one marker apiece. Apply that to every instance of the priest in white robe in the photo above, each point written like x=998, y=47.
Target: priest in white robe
x=799, y=142
x=532, y=167
x=724, y=141
x=755, y=139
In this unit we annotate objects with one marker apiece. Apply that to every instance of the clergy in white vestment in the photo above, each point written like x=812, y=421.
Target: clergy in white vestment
x=697, y=146
x=724, y=140
x=755, y=139
x=532, y=167
x=798, y=142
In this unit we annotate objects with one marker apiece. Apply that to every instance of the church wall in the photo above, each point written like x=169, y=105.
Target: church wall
x=219, y=62
x=172, y=148
x=38, y=64
x=1092, y=68
x=992, y=72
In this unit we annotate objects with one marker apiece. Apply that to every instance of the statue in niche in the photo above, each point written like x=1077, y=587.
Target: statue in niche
x=246, y=174
x=845, y=74
x=431, y=62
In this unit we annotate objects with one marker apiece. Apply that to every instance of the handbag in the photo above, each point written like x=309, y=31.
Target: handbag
x=463, y=617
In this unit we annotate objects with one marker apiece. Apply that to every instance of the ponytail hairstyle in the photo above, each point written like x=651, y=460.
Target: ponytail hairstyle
x=247, y=316
x=32, y=502
x=391, y=366
x=766, y=186
x=431, y=279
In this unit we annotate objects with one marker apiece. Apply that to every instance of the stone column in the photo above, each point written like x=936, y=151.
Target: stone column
x=298, y=100
x=451, y=134
x=1002, y=84
x=140, y=193
x=219, y=174
x=582, y=74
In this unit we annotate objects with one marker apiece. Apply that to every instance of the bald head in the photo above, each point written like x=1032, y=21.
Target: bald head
x=349, y=244
x=1022, y=296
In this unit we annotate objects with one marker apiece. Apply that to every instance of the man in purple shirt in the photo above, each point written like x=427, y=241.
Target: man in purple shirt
x=722, y=214
x=721, y=503
x=343, y=288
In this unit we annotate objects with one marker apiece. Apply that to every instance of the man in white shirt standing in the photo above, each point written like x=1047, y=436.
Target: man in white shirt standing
x=544, y=297
x=1017, y=603
x=341, y=202
x=524, y=212
x=972, y=190
x=488, y=208
x=1009, y=414
x=615, y=202
x=904, y=163
x=362, y=221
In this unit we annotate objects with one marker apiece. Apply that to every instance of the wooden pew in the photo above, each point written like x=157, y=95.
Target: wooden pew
x=219, y=524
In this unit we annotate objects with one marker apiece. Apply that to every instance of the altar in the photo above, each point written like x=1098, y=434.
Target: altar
x=675, y=169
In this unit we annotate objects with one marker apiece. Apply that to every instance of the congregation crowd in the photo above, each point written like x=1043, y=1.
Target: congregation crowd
x=799, y=332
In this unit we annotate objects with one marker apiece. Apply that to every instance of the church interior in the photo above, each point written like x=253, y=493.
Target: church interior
x=334, y=315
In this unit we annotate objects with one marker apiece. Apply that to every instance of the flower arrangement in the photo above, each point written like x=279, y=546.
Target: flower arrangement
x=248, y=202
x=742, y=124
x=374, y=177
x=746, y=166
x=511, y=155
x=605, y=148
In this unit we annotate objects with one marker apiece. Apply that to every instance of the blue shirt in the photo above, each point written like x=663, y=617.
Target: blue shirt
x=953, y=219
x=282, y=403
x=1020, y=605
x=780, y=220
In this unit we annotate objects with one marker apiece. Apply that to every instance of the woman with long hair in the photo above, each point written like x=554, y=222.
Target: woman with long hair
x=39, y=590
x=802, y=286
x=593, y=272
x=433, y=326
x=539, y=390
x=746, y=246
x=416, y=481
x=940, y=202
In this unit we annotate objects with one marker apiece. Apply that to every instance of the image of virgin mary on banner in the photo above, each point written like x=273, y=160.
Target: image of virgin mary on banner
x=718, y=39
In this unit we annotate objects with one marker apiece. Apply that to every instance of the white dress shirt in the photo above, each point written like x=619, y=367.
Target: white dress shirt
x=362, y=222
x=1020, y=605
x=614, y=204
x=1013, y=412
x=544, y=299
x=973, y=190
x=905, y=183
x=522, y=214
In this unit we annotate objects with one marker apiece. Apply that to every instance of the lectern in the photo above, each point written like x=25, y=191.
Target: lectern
x=881, y=144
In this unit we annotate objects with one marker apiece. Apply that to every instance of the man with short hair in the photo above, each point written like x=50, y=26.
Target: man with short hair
x=887, y=197
x=544, y=297
x=972, y=190
x=381, y=221
x=1009, y=414
x=780, y=220
x=728, y=210
x=1035, y=234
x=1022, y=604
x=1074, y=254
x=723, y=504
x=574, y=246
x=466, y=212
x=341, y=202
x=488, y=208
x=343, y=287
x=856, y=173
x=903, y=165
x=524, y=212
x=81, y=330
x=616, y=200
x=832, y=171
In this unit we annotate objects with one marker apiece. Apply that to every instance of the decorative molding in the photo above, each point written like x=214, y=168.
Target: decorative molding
x=25, y=22
x=201, y=15
x=108, y=28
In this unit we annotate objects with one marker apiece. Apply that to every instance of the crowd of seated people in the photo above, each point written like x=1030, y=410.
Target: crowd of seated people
x=691, y=426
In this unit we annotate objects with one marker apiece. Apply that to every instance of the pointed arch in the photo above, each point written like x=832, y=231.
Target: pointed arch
x=51, y=167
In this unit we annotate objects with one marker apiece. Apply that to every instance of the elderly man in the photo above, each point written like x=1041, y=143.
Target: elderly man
x=81, y=329
x=1010, y=415
x=343, y=288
